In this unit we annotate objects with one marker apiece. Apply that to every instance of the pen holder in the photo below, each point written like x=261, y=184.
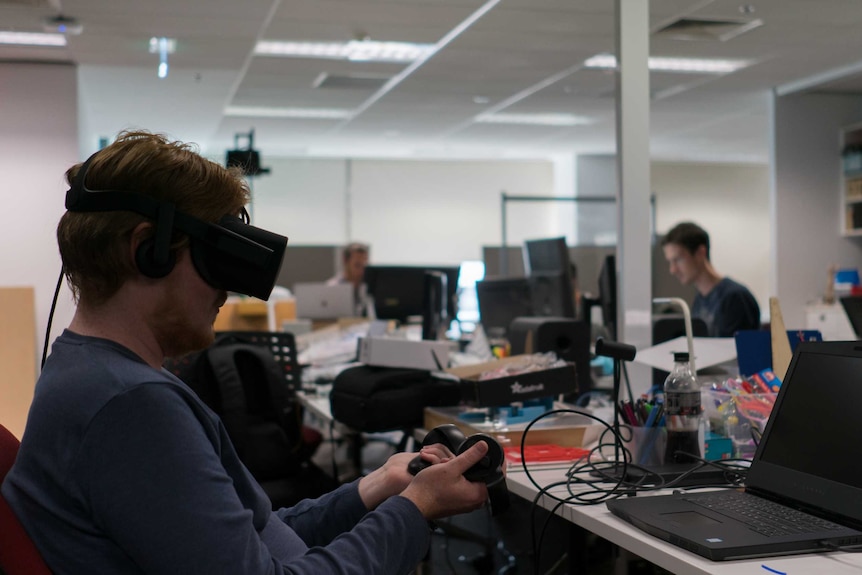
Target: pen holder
x=646, y=445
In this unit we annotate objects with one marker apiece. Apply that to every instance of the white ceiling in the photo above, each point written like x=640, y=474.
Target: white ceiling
x=523, y=56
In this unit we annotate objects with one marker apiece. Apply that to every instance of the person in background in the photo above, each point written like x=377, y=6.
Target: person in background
x=354, y=259
x=725, y=305
x=123, y=469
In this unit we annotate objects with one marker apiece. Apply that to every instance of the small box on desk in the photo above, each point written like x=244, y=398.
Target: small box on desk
x=508, y=389
x=393, y=352
x=566, y=430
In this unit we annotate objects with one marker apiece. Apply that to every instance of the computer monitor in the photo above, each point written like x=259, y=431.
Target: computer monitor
x=398, y=291
x=853, y=308
x=453, y=273
x=546, y=256
x=501, y=301
x=608, y=294
x=434, y=314
x=550, y=276
x=552, y=295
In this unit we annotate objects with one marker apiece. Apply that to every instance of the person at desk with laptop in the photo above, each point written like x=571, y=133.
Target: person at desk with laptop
x=122, y=468
x=354, y=260
x=725, y=305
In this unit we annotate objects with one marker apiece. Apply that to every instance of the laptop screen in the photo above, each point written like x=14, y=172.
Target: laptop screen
x=811, y=448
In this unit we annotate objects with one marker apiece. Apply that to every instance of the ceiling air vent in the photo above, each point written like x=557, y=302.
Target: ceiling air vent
x=350, y=81
x=706, y=29
x=35, y=3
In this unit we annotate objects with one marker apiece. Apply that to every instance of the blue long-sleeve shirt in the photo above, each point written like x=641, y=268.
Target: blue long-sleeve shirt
x=122, y=469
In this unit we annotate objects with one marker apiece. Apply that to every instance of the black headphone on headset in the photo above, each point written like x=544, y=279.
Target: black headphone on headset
x=230, y=255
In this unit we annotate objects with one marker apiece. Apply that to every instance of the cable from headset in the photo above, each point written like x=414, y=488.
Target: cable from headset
x=537, y=544
x=51, y=318
x=590, y=497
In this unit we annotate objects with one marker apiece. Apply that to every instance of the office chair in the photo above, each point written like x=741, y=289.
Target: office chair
x=18, y=555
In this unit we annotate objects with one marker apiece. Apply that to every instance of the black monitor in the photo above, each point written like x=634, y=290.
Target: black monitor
x=853, y=308
x=399, y=291
x=501, y=301
x=552, y=295
x=434, y=314
x=608, y=294
x=546, y=256
x=550, y=276
x=453, y=273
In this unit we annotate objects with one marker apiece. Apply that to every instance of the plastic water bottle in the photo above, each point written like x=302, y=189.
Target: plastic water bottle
x=683, y=411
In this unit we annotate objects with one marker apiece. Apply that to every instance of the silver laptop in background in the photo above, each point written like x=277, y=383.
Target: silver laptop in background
x=322, y=301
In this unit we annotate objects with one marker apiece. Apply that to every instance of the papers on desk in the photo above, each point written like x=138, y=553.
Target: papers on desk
x=708, y=352
x=332, y=345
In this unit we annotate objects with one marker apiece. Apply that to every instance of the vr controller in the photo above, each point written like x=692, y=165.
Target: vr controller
x=489, y=470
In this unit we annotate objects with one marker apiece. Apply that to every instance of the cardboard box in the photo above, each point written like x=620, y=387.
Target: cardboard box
x=415, y=354
x=568, y=430
x=509, y=389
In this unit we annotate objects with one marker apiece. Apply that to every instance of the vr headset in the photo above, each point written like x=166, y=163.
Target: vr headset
x=230, y=255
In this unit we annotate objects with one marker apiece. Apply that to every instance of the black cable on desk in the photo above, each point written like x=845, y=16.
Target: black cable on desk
x=843, y=548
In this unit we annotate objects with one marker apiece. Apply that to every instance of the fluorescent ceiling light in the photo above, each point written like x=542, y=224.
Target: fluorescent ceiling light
x=32, y=38
x=356, y=50
x=535, y=119
x=159, y=45
x=307, y=113
x=683, y=65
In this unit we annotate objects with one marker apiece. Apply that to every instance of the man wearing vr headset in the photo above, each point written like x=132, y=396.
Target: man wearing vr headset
x=122, y=469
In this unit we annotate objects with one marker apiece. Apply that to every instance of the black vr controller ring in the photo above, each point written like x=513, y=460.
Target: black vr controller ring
x=488, y=470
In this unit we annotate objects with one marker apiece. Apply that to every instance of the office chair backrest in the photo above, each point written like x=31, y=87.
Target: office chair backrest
x=18, y=555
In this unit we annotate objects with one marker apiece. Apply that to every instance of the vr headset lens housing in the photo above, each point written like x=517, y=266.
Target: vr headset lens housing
x=239, y=257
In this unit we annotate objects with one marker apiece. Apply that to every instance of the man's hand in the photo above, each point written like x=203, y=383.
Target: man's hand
x=392, y=477
x=441, y=490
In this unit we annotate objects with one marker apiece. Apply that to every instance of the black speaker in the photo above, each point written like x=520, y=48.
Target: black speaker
x=248, y=160
x=568, y=338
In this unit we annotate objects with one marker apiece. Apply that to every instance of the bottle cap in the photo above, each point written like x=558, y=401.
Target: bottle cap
x=680, y=356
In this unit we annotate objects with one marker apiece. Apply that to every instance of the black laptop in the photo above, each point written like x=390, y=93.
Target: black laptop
x=805, y=474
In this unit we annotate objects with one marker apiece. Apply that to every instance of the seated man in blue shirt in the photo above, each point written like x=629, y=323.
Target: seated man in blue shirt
x=122, y=468
x=724, y=305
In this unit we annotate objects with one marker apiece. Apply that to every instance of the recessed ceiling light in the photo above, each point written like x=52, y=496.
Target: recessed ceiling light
x=682, y=65
x=481, y=99
x=535, y=119
x=356, y=50
x=32, y=38
x=307, y=113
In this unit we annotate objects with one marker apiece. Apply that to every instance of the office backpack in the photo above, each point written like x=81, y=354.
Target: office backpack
x=372, y=399
x=244, y=384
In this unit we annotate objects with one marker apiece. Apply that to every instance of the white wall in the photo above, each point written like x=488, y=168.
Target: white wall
x=303, y=199
x=438, y=212
x=729, y=201
x=806, y=195
x=38, y=143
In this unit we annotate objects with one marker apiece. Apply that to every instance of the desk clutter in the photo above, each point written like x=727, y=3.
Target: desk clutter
x=375, y=398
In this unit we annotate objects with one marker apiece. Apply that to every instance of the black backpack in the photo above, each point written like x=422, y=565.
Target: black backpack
x=249, y=379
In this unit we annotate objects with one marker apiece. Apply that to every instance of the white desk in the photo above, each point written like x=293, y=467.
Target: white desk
x=597, y=519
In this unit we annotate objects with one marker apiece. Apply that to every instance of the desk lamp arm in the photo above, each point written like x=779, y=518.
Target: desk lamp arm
x=686, y=312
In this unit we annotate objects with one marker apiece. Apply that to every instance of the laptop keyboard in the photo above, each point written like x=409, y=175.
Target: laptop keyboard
x=763, y=516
